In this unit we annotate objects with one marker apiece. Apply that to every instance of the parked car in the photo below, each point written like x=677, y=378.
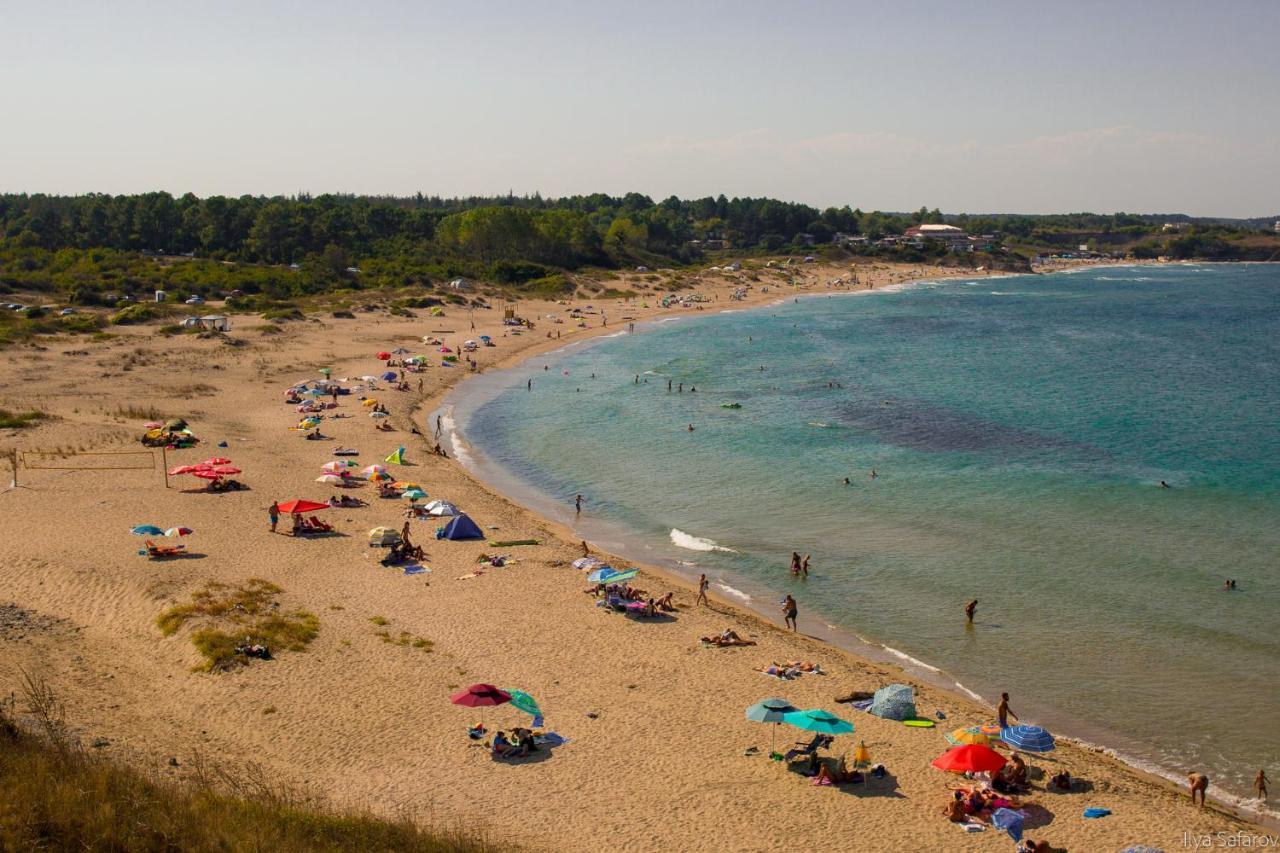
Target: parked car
x=66, y=312
x=196, y=300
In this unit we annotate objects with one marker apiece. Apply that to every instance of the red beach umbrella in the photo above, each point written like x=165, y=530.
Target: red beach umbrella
x=224, y=470
x=184, y=469
x=216, y=460
x=970, y=758
x=480, y=694
x=206, y=474
x=300, y=505
x=383, y=356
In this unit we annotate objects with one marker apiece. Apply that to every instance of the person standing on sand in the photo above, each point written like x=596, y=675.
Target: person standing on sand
x=1260, y=784
x=789, y=610
x=703, y=583
x=586, y=552
x=273, y=512
x=970, y=609
x=1004, y=712
x=404, y=536
x=1199, y=783
x=419, y=384
x=439, y=425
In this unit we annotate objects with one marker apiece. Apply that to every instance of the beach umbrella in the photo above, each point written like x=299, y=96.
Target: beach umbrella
x=147, y=530
x=379, y=477
x=445, y=349
x=389, y=376
x=404, y=484
x=399, y=351
x=587, y=563
x=216, y=460
x=225, y=470
x=961, y=737
x=524, y=702
x=991, y=730
x=383, y=356
x=152, y=425
x=206, y=474
x=329, y=479
x=178, y=531
x=300, y=505
x=602, y=574
x=378, y=415
x=184, y=469
x=1028, y=738
x=894, y=702
x=324, y=371
x=369, y=402
x=818, y=720
x=1010, y=821
x=622, y=576
x=771, y=711
x=478, y=695
x=413, y=494
x=970, y=758
x=485, y=338
x=370, y=470
x=441, y=509
x=338, y=465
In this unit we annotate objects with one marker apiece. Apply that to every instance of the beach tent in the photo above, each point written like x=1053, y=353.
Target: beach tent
x=895, y=702
x=397, y=458
x=461, y=527
x=441, y=509
x=384, y=537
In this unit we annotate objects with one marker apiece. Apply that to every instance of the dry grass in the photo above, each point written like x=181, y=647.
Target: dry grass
x=243, y=614
x=57, y=796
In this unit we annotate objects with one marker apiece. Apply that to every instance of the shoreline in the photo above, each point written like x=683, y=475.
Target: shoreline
x=503, y=483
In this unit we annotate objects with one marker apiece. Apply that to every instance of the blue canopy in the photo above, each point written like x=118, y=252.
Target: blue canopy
x=1008, y=820
x=1028, y=738
x=461, y=527
x=602, y=574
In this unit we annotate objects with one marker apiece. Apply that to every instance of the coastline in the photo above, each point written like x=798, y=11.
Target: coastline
x=365, y=721
x=623, y=545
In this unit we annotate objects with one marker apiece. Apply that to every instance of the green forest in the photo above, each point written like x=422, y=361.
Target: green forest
x=93, y=249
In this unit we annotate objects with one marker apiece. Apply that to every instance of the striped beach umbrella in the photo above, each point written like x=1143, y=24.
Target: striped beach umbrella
x=1028, y=738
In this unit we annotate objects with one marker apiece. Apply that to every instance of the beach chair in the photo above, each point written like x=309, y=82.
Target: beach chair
x=316, y=525
x=161, y=552
x=806, y=749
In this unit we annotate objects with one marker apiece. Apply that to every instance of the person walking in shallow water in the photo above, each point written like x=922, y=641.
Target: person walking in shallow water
x=970, y=609
x=577, y=505
x=1260, y=784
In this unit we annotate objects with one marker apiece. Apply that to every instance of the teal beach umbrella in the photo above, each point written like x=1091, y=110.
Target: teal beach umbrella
x=818, y=720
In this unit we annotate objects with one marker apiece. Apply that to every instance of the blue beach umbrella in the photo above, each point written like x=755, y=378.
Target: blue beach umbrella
x=1010, y=821
x=818, y=720
x=771, y=711
x=389, y=376
x=602, y=574
x=1028, y=738
x=147, y=530
x=619, y=577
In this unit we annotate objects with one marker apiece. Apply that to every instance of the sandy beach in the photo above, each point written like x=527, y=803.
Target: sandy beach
x=657, y=742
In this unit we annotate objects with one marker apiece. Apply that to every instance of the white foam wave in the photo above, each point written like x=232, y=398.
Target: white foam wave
x=736, y=593
x=696, y=543
x=460, y=450
x=909, y=659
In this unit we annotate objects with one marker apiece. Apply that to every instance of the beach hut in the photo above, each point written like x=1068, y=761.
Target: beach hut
x=461, y=527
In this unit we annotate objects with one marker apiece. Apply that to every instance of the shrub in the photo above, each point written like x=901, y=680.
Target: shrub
x=269, y=329
x=20, y=420
x=283, y=314
x=134, y=314
x=245, y=613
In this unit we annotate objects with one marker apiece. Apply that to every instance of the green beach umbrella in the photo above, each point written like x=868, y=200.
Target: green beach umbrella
x=621, y=576
x=525, y=702
x=818, y=720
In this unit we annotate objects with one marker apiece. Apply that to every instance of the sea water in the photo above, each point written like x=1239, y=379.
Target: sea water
x=1018, y=428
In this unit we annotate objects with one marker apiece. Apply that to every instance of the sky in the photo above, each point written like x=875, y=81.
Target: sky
x=980, y=106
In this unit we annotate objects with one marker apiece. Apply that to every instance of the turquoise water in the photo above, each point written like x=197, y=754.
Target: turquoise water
x=1019, y=428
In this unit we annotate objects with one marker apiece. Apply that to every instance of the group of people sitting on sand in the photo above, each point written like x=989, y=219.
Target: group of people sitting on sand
x=303, y=525
x=977, y=803
x=727, y=637
x=345, y=501
x=403, y=552
x=519, y=744
x=791, y=669
x=823, y=773
x=225, y=484
x=1012, y=778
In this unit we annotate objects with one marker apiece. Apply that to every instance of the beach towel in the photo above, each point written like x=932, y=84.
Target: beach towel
x=1096, y=812
x=550, y=739
x=416, y=570
x=864, y=705
x=468, y=576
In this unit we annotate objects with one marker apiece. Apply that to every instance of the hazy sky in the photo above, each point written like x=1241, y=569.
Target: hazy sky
x=968, y=106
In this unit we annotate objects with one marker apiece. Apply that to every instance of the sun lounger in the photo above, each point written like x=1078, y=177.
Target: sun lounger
x=161, y=552
x=806, y=749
